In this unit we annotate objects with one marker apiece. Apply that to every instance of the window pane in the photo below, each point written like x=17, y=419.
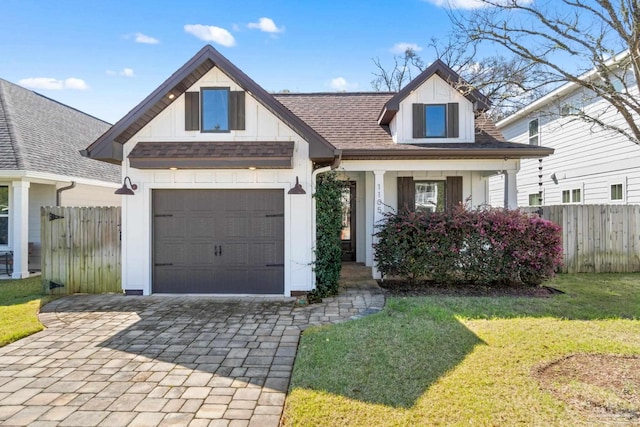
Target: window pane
x=534, y=199
x=566, y=197
x=436, y=121
x=616, y=192
x=4, y=199
x=215, y=110
x=346, y=213
x=430, y=195
x=533, y=127
x=4, y=215
x=4, y=230
x=575, y=196
x=533, y=132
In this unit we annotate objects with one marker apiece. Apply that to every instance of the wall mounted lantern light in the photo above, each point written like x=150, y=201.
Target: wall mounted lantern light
x=297, y=189
x=126, y=191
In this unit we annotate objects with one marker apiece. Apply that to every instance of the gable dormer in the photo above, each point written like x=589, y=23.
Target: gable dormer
x=215, y=95
x=435, y=107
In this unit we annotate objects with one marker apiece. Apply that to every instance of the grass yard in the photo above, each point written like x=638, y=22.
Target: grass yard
x=440, y=360
x=20, y=301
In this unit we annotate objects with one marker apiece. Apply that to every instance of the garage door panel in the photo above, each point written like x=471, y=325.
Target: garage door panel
x=201, y=227
x=170, y=226
x=171, y=252
x=190, y=226
x=200, y=253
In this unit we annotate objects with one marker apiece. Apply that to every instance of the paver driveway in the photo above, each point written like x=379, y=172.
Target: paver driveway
x=138, y=361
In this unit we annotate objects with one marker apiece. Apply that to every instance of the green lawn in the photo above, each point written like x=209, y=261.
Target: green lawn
x=20, y=301
x=460, y=360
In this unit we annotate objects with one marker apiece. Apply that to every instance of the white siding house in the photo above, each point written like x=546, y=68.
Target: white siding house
x=225, y=172
x=590, y=165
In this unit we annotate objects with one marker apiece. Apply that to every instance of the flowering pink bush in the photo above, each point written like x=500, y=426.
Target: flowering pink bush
x=483, y=246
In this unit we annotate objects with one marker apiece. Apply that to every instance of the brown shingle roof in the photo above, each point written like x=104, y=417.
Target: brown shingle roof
x=349, y=121
x=346, y=120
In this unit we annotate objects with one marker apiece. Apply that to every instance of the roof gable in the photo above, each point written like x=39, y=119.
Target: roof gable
x=439, y=68
x=38, y=134
x=109, y=146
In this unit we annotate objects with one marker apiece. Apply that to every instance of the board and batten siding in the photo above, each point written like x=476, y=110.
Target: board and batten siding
x=260, y=125
x=586, y=157
x=434, y=91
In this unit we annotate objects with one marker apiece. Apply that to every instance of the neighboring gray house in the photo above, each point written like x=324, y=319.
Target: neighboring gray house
x=40, y=140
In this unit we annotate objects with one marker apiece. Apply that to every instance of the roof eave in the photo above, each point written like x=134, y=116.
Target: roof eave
x=449, y=153
x=558, y=93
x=439, y=68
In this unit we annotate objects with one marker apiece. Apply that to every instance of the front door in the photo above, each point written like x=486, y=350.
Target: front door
x=348, y=235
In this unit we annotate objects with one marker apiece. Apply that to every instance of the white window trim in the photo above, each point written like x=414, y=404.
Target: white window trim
x=569, y=188
x=622, y=181
x=529, y=136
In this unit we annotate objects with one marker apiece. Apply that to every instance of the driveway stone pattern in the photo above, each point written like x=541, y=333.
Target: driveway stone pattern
x=111, y=360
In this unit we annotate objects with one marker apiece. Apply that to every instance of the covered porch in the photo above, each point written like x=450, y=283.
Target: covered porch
x=376, y=187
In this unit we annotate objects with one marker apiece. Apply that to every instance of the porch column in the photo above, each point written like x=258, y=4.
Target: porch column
x=510, y=190
x=378, y=210
x=20, y=217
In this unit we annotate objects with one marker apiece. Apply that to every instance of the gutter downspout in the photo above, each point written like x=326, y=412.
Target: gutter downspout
x=314, y=176
x=60, y=190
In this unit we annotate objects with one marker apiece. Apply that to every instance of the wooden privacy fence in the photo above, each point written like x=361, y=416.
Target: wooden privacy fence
x=80, y=250
x=597, y=238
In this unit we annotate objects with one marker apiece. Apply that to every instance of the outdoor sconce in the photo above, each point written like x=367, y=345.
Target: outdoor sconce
x=126, y=191
x=297, y=189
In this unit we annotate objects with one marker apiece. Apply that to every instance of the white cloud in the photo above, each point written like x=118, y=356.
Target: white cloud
x=126, y=72
x=470, y=4
x=143, y=38
x=49, y=83
x=266, y=25
x=400, y=48
x=77, y=84
x=210, y=33
x=341, y=84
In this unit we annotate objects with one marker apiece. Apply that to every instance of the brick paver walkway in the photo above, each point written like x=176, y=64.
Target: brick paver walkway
x=111, y=360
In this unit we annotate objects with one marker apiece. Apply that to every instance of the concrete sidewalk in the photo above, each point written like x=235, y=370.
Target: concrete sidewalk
x=111, y=360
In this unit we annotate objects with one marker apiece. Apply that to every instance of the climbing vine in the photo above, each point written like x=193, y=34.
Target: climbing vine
x=328, y=228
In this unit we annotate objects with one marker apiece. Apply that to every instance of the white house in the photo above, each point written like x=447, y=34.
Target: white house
x=41, y=165
x=224, y=172
x=590, y=165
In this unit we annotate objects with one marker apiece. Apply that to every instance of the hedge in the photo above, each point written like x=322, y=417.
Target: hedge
x=482, y=246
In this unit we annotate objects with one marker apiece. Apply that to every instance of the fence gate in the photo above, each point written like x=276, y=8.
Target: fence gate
x=81, y=250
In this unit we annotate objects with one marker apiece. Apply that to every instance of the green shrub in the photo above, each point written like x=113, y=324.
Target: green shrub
x=328, y=227
x=482, y=246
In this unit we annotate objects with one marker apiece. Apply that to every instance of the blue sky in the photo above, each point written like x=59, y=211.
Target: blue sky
x=104, y=57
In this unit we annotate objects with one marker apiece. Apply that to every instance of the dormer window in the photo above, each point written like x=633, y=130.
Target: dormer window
x=214, y=109
x=436, y=120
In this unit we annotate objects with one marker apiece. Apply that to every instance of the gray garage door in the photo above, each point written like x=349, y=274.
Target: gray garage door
x=218, y=241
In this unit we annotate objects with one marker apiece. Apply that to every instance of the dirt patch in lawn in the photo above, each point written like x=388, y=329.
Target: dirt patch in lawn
x=603, y=388
x=403, y=288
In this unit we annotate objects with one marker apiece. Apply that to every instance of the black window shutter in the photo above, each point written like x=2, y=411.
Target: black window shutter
x=406, y=194
x=419, y=130
x=453, y=120
x=192, y=111
x=236, y=110
x=454, y=191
